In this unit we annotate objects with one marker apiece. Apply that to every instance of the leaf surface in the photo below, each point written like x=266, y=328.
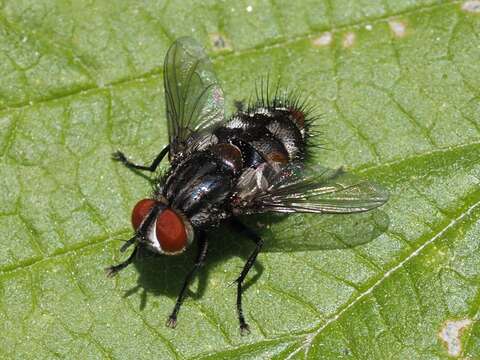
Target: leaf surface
x=398, y=85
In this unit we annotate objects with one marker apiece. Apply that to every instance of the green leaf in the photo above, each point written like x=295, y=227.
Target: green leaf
x=398, y=85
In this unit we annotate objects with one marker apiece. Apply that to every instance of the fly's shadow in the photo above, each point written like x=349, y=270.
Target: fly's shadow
x=310, y=232
x=161, y=275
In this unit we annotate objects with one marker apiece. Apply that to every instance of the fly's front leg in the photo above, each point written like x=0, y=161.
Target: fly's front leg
x=237, y=225
x=114, y=269
x=136, y=239
x=119, y=156
x=199, y=262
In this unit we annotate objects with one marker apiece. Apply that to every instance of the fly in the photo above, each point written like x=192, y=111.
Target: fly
x=220, y=169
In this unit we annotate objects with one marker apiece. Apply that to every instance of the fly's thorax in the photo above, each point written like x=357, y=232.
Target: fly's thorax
x=169, y=232
x=200, y=186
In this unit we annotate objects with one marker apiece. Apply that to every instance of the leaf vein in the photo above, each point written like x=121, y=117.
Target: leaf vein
x=394, y=269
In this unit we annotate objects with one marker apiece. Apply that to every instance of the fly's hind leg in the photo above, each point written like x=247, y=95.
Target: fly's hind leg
x=199, y=262
x=119, y=156
x=237, y=225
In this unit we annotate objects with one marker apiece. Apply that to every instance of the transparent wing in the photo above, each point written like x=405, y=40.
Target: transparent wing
x=314, y=190
x=194, y=98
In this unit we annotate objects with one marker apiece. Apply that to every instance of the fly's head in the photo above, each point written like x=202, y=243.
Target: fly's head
x=162, y=229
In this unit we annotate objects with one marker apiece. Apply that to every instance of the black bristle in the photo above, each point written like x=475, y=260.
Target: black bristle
x=293, y=99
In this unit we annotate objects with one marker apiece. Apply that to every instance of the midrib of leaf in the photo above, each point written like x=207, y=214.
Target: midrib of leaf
x=280, y=42
x=363, y=169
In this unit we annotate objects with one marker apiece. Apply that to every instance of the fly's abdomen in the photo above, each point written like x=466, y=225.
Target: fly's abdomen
x=275, y=134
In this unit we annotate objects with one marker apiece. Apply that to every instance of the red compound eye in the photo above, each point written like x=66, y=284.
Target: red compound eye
x=140, y=211
x=171, y=232
x=170, y=229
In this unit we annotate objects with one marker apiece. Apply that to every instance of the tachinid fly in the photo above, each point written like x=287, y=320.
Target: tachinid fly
x=221, y=168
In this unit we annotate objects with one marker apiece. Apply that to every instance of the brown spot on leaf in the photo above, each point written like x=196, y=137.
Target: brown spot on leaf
x=471, y=6
x=348, y=40
x=398, y=27
x=220, y=42
x=323, y=40
x=450, y=335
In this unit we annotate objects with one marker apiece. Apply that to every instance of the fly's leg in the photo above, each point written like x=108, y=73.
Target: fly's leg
x=199, y=262
x=119, y=156
x=139, y=235
x=237, y=225
x=114, y=269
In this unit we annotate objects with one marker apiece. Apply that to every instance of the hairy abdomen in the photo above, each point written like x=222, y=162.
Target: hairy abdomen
x=272, y=134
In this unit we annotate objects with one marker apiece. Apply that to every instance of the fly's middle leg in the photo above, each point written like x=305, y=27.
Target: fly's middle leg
x=114, y=269
x=199, y=262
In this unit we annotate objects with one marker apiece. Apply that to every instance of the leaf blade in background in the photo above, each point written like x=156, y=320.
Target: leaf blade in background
x=397, y=83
